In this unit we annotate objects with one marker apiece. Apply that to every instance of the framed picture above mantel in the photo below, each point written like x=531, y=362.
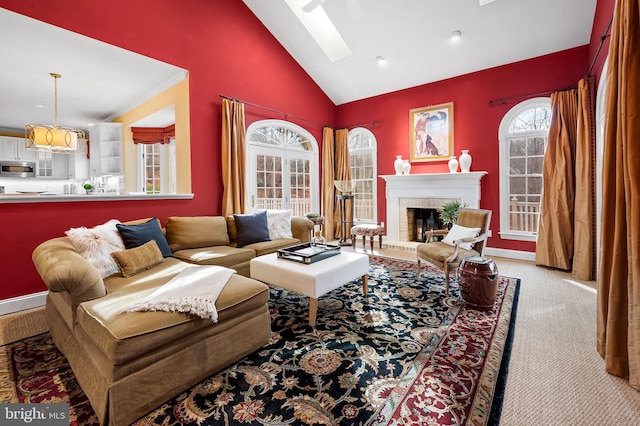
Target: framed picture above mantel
x=431, y=132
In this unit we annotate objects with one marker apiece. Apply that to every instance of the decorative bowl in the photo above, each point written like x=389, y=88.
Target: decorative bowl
x=344, y=186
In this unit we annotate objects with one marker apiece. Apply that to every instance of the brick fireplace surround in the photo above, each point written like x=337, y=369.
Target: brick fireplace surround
x=429, y=190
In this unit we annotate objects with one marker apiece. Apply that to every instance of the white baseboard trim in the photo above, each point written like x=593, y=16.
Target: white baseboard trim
x=20, y=303
x=510, y=254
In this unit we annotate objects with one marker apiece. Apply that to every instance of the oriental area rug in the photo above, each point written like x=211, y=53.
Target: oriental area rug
x=405, y=355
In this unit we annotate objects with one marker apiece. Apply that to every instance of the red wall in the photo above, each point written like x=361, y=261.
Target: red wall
x=226, y=50
x=475, y=121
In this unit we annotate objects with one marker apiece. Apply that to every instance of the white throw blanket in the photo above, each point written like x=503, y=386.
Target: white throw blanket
x=194, y=290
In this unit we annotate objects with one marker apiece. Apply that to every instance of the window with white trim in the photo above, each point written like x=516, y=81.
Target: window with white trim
x=282, y=168
x=523, y=135
x=156, y=168
x=362, y=160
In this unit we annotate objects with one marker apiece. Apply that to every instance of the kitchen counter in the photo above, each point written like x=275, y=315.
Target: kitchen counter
x=99, y=196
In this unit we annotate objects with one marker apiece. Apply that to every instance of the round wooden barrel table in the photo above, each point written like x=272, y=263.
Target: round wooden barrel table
x=478, y=281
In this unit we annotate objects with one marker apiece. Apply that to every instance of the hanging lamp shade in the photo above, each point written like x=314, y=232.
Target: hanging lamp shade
x=53, y=138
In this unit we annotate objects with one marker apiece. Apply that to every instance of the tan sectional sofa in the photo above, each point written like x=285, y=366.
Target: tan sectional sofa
x=129, y=363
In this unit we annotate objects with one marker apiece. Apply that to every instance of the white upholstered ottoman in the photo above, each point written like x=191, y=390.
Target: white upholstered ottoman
x=313, y=280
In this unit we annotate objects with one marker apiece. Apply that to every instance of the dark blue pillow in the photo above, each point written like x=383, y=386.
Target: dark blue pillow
x=136, y=235
x=252, y=228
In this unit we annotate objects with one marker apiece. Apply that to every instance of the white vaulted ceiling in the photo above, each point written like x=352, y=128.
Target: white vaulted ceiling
x=413, y=37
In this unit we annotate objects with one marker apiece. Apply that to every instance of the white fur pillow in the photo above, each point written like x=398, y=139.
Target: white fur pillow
x=279, y=223
x=97, y=244
x=458, y=232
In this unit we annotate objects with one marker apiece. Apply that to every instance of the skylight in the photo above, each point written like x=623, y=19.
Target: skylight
x=322, y=30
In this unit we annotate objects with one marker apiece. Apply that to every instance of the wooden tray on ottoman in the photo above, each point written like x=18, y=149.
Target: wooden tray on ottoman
x=305, y=253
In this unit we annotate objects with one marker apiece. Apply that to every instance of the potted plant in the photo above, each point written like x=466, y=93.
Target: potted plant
x=449, y=213
x=88, y=187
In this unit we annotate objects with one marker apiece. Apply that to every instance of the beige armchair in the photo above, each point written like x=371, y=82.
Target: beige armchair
x=448, y=257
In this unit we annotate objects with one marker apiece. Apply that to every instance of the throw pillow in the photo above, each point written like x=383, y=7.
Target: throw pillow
x=196, y=231
x=252, y=228
x=136, y=235
x=458, y=232
x=96, y=245
x=138, y=259
x=279, y=223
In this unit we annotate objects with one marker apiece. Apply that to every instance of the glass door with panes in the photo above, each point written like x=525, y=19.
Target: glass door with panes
x=280, y=180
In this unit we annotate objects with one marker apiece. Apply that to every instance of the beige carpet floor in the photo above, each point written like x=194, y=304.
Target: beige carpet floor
x=556, y=377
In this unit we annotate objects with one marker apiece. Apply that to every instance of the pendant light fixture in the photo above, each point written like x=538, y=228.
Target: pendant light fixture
x=52, y=138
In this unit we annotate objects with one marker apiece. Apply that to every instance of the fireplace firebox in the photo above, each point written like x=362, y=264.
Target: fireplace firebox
x=420, y=221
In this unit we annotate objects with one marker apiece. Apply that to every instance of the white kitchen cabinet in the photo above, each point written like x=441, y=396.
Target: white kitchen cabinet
x=51, y=165
x=106, y=149
x=61, y=165
x=14, y=149
x=77, y=165
x=44, y=165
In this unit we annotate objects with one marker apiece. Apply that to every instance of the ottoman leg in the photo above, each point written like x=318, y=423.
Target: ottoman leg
x=313, y=311
x=365, y=285
x=364, y=242
x=380, y=240
x=353, y=240
x=371, y=242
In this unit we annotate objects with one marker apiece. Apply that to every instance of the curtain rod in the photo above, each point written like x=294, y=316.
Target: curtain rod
x=503, y=101
x=603, y=37
x=287, y=115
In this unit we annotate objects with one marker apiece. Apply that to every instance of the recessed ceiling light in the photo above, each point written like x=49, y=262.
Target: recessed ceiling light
x=380, y=60
x=456, y=35
x=40, y=106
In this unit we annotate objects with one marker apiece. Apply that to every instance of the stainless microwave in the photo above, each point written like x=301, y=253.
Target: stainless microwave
x=17, y=169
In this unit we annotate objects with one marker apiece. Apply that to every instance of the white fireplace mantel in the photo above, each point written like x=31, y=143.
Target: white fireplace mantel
x=429, y=190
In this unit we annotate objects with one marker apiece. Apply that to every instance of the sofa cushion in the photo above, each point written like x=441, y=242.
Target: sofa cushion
x=252, y=228
x=266, y=247
x=196, y=232
x=136, y=235
x=138, y=259
x=216, y=255
x=437, y=252
x=96, y=245
x=126, y=336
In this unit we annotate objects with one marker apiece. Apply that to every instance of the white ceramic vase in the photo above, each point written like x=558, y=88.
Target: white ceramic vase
x=465, y=161
x=398, y=164
x=406, y=167
x=453, y=164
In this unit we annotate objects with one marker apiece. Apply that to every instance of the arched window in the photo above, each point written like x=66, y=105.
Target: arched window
x=282, y=167
x=362, y=160
x=523, y=134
